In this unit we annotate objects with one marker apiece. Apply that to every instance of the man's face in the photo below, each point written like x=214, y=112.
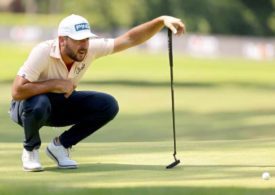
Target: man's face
x=75, y=49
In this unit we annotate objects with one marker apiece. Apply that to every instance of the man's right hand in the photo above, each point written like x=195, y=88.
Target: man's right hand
x=66, y=86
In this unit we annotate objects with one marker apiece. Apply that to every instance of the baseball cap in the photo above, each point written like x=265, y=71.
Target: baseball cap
x=75, y=27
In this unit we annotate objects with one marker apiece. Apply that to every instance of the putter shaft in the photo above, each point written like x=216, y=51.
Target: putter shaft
x=171, y=63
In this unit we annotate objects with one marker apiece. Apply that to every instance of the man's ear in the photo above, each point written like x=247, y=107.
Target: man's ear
x=61, y=40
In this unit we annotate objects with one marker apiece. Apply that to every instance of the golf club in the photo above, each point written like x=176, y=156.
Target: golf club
x=170, y=50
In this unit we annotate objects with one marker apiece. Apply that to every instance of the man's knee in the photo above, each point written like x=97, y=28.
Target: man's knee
x=112, y=107
x=37, y=107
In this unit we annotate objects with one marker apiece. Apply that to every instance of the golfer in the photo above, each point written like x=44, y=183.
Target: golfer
x=44, y=90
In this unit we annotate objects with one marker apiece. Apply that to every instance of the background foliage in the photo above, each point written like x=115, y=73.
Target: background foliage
x=241, y=17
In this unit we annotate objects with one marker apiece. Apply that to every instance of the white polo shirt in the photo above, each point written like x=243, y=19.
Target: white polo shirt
x=45, y=62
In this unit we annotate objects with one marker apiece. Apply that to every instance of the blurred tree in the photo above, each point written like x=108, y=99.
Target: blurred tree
x=261, y=12
x=108, y=14
x=17, y=6
x=31, y=6
x=48, y=6
x=242, y=17
x=157, y=7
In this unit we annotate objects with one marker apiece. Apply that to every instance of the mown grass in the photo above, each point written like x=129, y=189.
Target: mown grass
x=225, y=119
x=20, y=19
x=208, y=167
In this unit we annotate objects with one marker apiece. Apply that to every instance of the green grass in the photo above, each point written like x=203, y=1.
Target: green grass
x=208, y=167
x=225, y=118
x=44, y=20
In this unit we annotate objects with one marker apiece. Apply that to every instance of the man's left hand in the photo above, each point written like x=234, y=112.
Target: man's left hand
x=174, y=24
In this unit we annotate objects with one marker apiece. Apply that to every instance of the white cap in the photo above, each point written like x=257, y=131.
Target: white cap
x=75, y=27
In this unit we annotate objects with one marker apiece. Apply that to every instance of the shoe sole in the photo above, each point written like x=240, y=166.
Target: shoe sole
x=50, y=154
x=33, y=170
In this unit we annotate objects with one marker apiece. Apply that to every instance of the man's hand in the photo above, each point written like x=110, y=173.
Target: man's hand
x=66, y=86
x=143, y=32
x=174, y=24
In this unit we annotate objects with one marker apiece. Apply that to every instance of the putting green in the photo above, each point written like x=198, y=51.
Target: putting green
x=207, y=166
x=225, y=105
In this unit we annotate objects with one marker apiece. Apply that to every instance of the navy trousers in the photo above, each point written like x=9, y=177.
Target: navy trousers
x=86, y=111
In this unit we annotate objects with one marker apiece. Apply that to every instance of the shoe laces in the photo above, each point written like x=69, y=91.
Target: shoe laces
x=69, y=150
x=66, y=151
x=33, y=155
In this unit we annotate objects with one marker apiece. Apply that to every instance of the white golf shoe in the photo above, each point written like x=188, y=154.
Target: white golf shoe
x=61, y=156
x=31, y=161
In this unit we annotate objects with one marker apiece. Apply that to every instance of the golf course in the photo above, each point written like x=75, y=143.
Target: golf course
x=225, y=129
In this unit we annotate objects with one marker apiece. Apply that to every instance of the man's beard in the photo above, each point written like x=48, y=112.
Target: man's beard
x=73, y=55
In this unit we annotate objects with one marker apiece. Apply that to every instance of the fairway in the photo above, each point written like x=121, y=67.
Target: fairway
x=225, y=119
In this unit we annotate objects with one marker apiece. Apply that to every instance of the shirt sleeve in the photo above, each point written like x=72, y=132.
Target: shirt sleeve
x=35, y=64
x=101, y=47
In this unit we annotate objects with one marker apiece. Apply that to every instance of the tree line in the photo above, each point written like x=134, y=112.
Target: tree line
x=239, y=17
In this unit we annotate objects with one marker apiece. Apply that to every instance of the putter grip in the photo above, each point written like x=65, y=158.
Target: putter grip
x=170, y=46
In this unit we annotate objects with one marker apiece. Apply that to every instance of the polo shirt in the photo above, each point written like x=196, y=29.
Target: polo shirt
x=45, y=62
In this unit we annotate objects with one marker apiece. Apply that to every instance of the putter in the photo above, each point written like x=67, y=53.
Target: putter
x=170, y=50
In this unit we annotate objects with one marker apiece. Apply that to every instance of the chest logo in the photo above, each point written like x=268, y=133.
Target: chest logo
x=79, y=68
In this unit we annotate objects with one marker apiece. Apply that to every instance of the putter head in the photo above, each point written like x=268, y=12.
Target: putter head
x=173, y=164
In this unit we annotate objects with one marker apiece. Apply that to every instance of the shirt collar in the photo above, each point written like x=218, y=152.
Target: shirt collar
x=55, y=51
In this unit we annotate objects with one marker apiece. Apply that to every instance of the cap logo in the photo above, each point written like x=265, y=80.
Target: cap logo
x=81, y=26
